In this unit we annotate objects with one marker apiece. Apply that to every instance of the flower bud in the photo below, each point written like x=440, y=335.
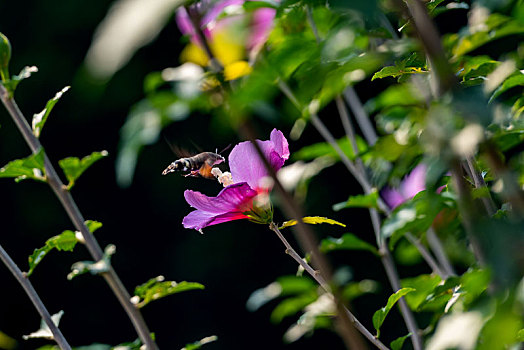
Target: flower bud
x=5, y=56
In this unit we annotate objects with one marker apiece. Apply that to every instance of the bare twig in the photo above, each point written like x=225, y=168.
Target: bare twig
x=322, y=282
x=78, y=221
x=35, y=299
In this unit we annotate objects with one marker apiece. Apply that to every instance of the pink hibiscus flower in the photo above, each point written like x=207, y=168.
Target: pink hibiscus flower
x=412, y=184
x=244, y=198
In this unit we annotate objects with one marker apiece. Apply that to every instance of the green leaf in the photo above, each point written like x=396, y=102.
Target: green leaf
x=520, y=335
x=198, y=344
x=65, y=241
x=359, y=201
x=31, y=167
x=380, y=315
x=323, y=149
x=291, y=306
x=93, y=267
x=347, y=242
x=283, y=286
x=73, y=167
x=423, y=286
x=39, y=119
x=397, y=71
x=399, y=342
x=312, y=220
x=514, y=80
x=157, y=288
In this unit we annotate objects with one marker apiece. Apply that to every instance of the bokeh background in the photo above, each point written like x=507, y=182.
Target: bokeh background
x=144, y=220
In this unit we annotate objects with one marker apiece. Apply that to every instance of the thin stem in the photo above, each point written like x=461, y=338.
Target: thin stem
x=438, y=250
x=35, y=299
x=322, y=282
x=361, y=116
x=308, y=243
x=387, y=262
x=78, y=221
x=426, y=255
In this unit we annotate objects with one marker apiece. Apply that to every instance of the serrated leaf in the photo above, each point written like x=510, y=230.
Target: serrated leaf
x=511, y=82
x=66, y=241
x=198, y=344
x=348, y=241
x=39, y=119
x=44, y=331
x=73, y=167
x=157, y=288
x=312, y=220
x=31, y=167
x=93, y=225
x=359, y=201
x=380, y=315
x=399, y=342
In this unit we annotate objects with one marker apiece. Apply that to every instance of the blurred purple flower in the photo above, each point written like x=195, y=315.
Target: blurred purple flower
x=239, y=200
x=259, y=26
x=412, y=184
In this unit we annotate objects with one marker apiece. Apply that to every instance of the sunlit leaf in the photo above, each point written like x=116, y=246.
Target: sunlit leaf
x=65, y=241
x=359, y=201
x=73, y=167
x=156, y=288
x=515, y=80
x=380, y=315
x=399, y=342
x=253, y=5
x=347, y=242
x=312, y=220
x=31, y=167
x=44, y=331
x=200, y=343
x=423, y=286
x=39, y=119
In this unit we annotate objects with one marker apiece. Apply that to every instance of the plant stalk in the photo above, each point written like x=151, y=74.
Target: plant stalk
x=35, y=299
x=322, y=282
x=78, y=221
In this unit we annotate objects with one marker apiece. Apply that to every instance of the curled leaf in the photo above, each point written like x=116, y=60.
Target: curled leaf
x=312, y=220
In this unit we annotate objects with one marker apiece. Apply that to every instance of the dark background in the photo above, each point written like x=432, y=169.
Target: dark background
x=144, y=220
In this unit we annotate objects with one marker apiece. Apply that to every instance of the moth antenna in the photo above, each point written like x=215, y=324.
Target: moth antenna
x=225, y=149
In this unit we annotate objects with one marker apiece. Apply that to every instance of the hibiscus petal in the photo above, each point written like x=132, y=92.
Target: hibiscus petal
x=414, y=182
x=392, y=197
x=229, y=199
x=261, y=26
x=246, y=165
x=199, y=219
